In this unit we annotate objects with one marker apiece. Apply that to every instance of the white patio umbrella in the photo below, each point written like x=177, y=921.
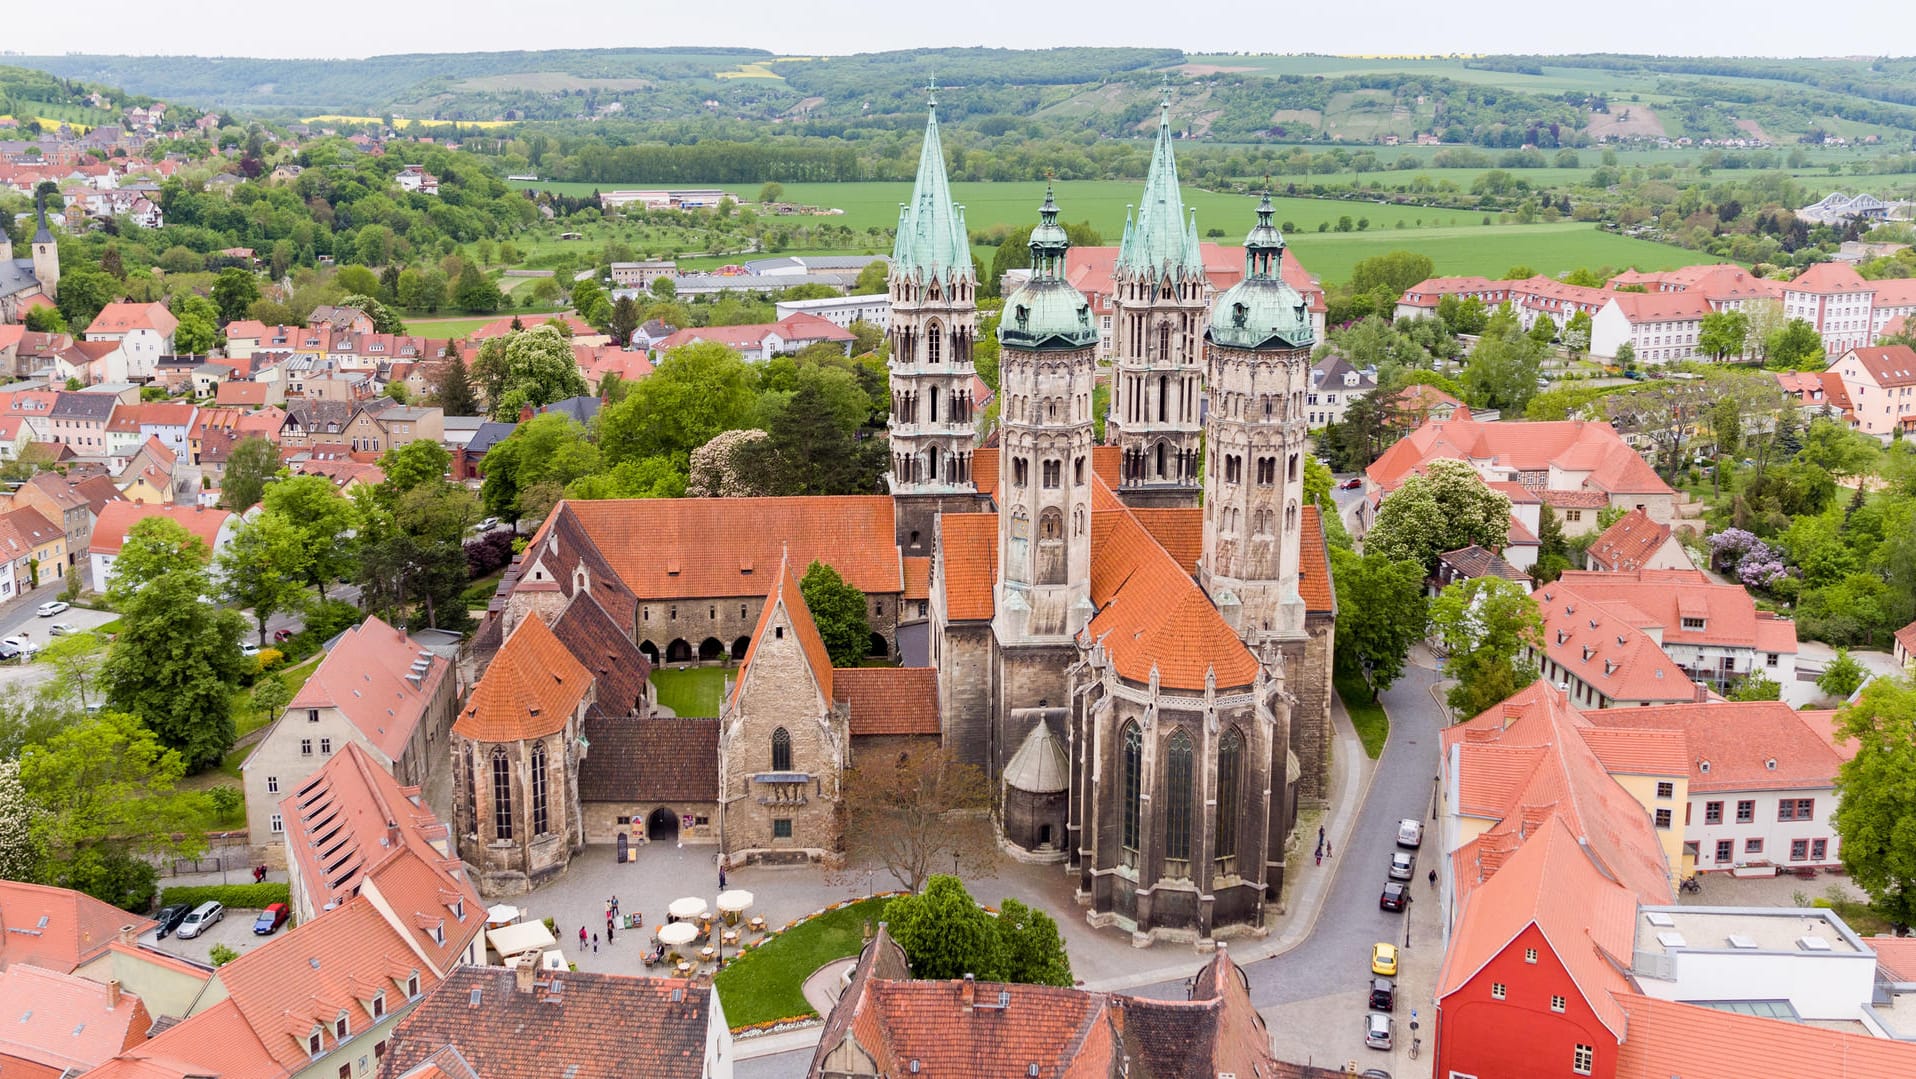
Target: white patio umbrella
x=502, y=914
x=677, y=933
x=689, y=907
x=734, y=901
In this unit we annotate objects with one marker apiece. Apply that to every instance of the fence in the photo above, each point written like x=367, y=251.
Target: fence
x=229, y=852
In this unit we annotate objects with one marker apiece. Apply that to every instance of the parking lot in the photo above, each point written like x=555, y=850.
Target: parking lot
x=235, y=931
x=15, y=674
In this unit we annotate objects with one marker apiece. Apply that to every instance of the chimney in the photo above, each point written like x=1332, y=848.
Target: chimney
x=129, y=934
x=526, y=972
x=392, y=833
x=112, y=994
x=1702, y=692
x=970, y=991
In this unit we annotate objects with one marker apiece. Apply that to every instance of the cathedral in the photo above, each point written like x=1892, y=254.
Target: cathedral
x=1130, y=635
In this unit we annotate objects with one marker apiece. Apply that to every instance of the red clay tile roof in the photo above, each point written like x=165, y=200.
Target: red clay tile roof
x=1314, y=581
x=1665, y=1037
x=57, y=928
x=429, y=892
x=917, y=577
x=1739, y=745
x=1151, y=614
x=1179, y=531
x=531, y=688
x=65, y=1022
x=786, y=595
x=1629, y=543
x=725, y=547
x=1895, y=955
x=968, y=561
x=1653, y=307
x=241, y=393
x=1888, y=365
x=217, y=1042
x=109, y=532
x=1667, y=596
x=650, y=759
x=1828, y=278
x=1638, y=752
x=365, y=676
x=1590, y=449
x=572, y=1024
x=1907, y=638
x=1605, y=645
x=127, y=317
x=889, y=700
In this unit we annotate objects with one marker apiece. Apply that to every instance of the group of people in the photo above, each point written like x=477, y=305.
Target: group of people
x=1323, y=846
x=611, y=923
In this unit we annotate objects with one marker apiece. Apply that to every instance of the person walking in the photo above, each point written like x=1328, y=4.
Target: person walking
x=608, y=931
x=1433, y=878
x=595, y=943
x=582, y=937
x=721, y=878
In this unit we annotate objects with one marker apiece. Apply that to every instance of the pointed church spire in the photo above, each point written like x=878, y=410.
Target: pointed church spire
x=932, y=242
x=42, y=235
x=1162, y=240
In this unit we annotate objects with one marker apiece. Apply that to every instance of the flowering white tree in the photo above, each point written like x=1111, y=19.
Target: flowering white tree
x=719, y=467
x=18, y=851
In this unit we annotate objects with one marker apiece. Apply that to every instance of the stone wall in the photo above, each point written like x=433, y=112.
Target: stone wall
x=526, y=860
x=605, y=820
x=963, y=654
x=1307, y=675
x=731, y=622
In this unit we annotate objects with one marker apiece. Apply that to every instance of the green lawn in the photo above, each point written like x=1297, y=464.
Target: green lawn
x=694, y=691
x=247, y=719
x=767, y=983
x=1373, y=726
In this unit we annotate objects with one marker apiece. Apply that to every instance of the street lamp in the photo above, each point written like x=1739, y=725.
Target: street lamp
x=954, y=863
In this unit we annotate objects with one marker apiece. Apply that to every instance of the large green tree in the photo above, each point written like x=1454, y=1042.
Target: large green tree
x=325, y=520
x=698, y=391
x=944, y=932
x=153, y=548
x=1446, y=508
x=540, y=369
x=839, y=610
x=1725, y=334
x=1876, y=811
x=455, y=392
x=235, y=291
x=1796, y=345
x=253, y=460
x=1486, y=626
x=527, y=471
x=263, y=568
x=1381, y=612
x=175, y=663
x=1502, y=370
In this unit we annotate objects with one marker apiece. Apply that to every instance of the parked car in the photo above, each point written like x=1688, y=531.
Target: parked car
x=1383, y=959
x=1410, y=833
x=7, y=651
x=200, y=918
x=1377, y=1030
x=62, y=629
x=171, y=917
x=1396, y=896
x=1351, y=484
x=249, y=649
x=486, y=525
x=281, y=636
x=270, y=919
x=20, y=644
x=1373, y=1073
x=1383, y=995
x=1403, y=863
x=51, y=608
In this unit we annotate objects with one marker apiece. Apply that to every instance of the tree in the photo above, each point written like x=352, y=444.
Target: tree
x=872, y=279
x=1667, y=413
x=771, y=192
x=1366, y=430
x=324, y=518
x=254, y=459
x=455, y=393
x=1390, y=273
x=1757, y=686
x=663, y=288
x=1724, y=334
x=539, y=369
x=175, y=662
x=198, y=330
x=1876, y=789
x=1553, y=551
x=1843, y=676
x=234, y=291
x=1502, y=370
x=105, y=781
x=549, y=450
x=943, y=931
x=1484, y=625
x=1837, y=450
x=476, y=293
x=264, y=568
x=1445, y=509
x=698, y=391
x=812, y=445
x=19, y=849
x=1381, y=612
x=1030, y=949
x=906, y=811
x=76, y=659
x=153, y=548
x=868, y=337
x=625, y=319
x=839, y=611
x=270, y=695
x=1544, y=330
x=417, y=463
x=1797, y=345
x=83, y=293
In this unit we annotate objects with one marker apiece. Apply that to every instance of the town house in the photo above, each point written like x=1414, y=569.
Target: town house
x=144, y=332
x=1881, y=384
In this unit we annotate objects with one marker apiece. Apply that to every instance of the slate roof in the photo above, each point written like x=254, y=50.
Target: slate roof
x=619, y=670
x=87, y=407
x=650, y=759
x=1474, y=561
x=889, y=700
x=571, y=1024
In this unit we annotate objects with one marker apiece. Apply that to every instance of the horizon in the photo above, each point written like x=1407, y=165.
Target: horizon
x=1394, y=29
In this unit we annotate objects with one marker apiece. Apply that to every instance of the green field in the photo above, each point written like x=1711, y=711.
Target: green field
x=457, y=327
x=692, y=691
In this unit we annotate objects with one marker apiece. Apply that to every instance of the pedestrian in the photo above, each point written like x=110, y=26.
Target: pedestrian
x=608, y=930
x=1433, y=878
x=615, y=906
x=1320, y=856
x=721, y=878
x=1320, y=835
x=582, y=936
x=1327, y=849
x=595, y=943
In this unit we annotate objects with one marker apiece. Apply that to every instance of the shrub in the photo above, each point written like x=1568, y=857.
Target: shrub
x=488, y=553
x=234, y=896
x=268, y=658
x=228, y=803
x=221, y=955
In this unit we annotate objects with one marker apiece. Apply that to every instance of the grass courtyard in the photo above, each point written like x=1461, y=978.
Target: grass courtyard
x=767, y=983
x=694, y=691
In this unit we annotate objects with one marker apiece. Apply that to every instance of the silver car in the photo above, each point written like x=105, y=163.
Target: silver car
x=1403, y=864
x=1377, y=1030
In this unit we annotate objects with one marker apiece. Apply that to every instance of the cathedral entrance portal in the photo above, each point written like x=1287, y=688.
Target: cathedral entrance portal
x=663, y=824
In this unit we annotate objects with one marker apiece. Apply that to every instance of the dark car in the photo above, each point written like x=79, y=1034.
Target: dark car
x=270, y=919
x=1383, y=995
x=171, y=917
x=1396, y=896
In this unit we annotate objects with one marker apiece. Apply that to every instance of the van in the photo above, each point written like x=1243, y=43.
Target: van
x=1410, y=833
x=202, y=916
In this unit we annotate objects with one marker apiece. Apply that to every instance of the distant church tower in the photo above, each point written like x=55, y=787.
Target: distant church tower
x=1258, y=370
x=933, y=321
x=1047, y=368
x=46, y=254
x=1158, y=303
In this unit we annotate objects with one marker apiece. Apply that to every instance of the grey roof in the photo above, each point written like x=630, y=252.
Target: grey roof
x=581, y=409
x=83, y=406
x=1039, y=766
x=16, y=275
x=489, y=434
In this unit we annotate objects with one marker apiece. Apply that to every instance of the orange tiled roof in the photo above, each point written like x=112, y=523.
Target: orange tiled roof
x=365, y=677
x=1151, y=614
x=1889, y=366
x=724, y=547
x=1829, y=278
x=968, y=559
x=1179, y=531
x=57, y=928
x=109, y=532
x=531, y=688
x=127, y=317
x=1668, y=1038
x=1630, y=542
x=787, y=594
x=1667, y=596
x=1314, y=581
x=917, y=577
x=1896, y=955
x=336, y=823
x=1638, y=751
x=215, y=1042
x=1739, y=745
x=66, y=1024
x=1605, y=645
x=889, y=700
x=1583, y=447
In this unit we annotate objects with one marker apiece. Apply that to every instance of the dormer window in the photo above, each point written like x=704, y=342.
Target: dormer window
x=412, y=986
x=313, y=1044
x=1693, y=623
x=342, y=1028
x=379, y=1005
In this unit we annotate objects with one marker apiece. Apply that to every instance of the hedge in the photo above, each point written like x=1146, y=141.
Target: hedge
x=232, y=896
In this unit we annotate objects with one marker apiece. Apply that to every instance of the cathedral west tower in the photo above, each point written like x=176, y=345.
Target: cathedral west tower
x=1158, y=301
x=933, y=317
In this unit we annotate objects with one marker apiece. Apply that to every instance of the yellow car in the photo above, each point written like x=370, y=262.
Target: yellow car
x=1383, y=960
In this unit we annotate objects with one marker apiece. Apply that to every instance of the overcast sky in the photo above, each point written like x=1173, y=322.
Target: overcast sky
x=341, y=28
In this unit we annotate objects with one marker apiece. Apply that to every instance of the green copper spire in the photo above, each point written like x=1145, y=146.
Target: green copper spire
x=1262, y=311
x=1047, y=312
x=932, y=241
x=1162, y=239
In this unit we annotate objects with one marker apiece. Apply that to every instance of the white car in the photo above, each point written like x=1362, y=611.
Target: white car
x=48, y=610
x=249, y=649
x=21, y=644
x=1410, y=833
x=62, y=629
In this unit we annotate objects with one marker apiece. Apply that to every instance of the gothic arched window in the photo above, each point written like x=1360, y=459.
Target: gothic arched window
x=1177, y=797
x=934, y=343
x=1230, y=782
x=501, y=794
x=781, y=750
x=1133, y=741
x=540, y=819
